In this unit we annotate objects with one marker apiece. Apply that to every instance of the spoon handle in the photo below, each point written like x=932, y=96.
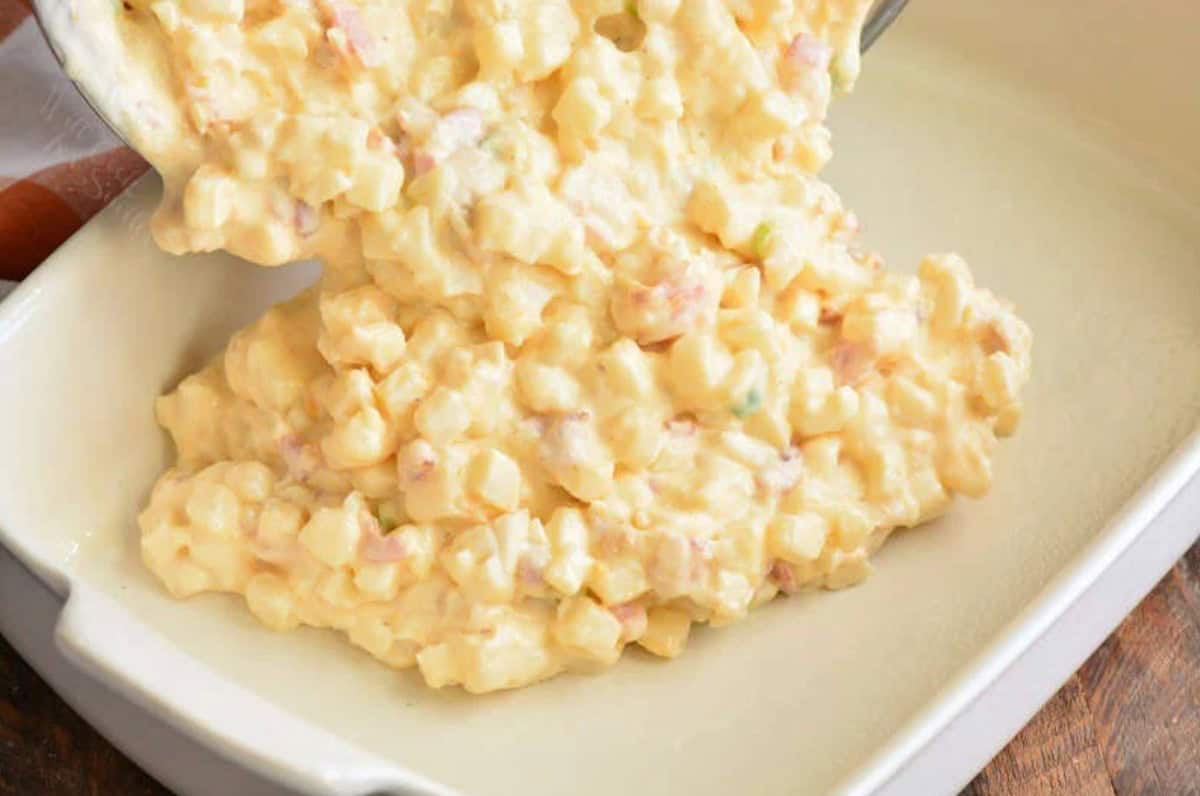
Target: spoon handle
x=881, y=17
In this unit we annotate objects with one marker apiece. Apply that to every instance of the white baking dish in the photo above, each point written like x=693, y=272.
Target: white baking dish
x=1048, y=140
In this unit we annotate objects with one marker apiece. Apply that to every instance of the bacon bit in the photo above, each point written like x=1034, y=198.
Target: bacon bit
x=305, y=218
x=420, y=471
x=632, y=617
x=376, y=546
x=530, y=573
x=991, y=339
x=456, y=130
x=806, y=52
x=683, y=299
x=299, y=457
x=702, y=552
x=627, y=611
x=679, y=297
x=386, y=549
x=360, y=44
x=781, y=575
x=830, y=316
x=654, y=314
x=423, y=162
x=850, y=361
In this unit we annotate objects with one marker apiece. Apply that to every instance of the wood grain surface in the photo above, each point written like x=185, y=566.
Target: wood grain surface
x=1128, y=722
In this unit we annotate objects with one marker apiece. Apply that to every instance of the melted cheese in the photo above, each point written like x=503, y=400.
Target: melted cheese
x=594, y=355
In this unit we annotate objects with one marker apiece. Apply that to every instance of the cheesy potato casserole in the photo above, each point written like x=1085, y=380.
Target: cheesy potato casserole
x=594, y=355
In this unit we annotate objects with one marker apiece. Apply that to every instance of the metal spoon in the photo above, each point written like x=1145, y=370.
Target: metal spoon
x=880, y=19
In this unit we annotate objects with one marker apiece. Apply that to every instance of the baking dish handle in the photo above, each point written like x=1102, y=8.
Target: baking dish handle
x=96, y=634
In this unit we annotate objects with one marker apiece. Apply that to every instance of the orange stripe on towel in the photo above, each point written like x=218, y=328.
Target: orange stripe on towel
x=12, y=14
x=38, y=213
x=33, y=222
x=88, y=185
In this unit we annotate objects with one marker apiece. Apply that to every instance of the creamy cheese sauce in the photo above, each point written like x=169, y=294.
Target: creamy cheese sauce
x=594, y=355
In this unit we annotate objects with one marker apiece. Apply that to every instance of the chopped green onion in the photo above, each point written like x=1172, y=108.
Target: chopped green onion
x=837, y=76
x=495, y=145
x=761, y=242
x=632, y=9
x=386, y=514
x=749, y=405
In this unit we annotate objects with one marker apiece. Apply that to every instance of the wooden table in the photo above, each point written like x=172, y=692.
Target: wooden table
x=1128, y=722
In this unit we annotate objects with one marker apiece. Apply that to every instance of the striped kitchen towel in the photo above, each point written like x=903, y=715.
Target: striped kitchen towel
x=59, y=164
